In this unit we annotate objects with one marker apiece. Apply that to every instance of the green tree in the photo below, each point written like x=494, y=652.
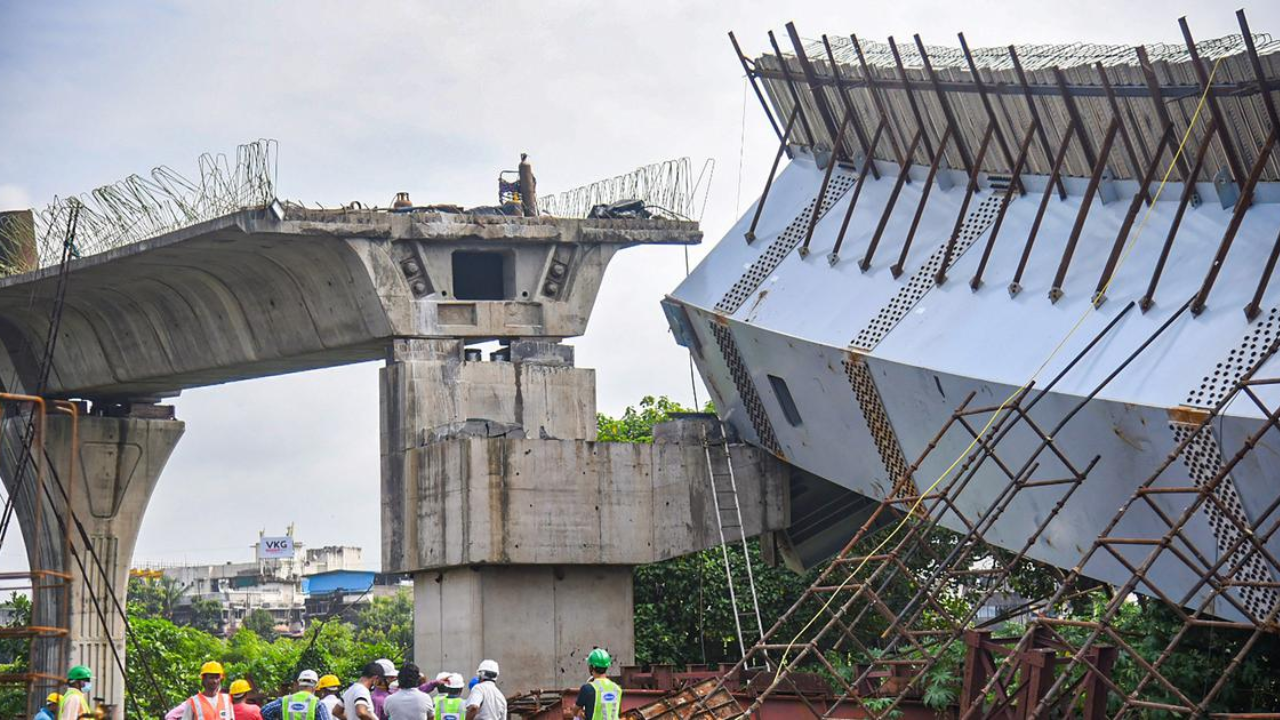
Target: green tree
x=261, y=623
x=13, y=655
x=155, y=597
x=389, y=620
x=206, y=615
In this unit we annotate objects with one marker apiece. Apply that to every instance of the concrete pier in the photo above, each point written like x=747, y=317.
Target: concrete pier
x=520, y=529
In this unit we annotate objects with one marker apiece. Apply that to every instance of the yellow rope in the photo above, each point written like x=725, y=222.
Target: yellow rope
x=1195, y=118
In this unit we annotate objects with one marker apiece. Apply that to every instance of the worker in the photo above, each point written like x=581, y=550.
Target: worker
x=210, y=703
x=409, y=702
x=357, y=702
x=74, y=703
x=49, y=711
x=486, y=701
x=244, y=710
x=327, y=691
x=382, y=690
x=301, y=705
x=600, y=698
x=449, y=701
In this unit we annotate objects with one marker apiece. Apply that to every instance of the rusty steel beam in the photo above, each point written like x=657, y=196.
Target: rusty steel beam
x=991, y=113
x=1237, y=218
x=1086, y=204
x=970, y=188
x=795, y=94
x=961, y=145
x=819, y=97
x=751, y=76
x=1143, y=194
x=849, y=108
x=1135, y=167
x=1224, y=129
x=896, y=268
x=1055, y=177
x=868, y=162
x=1156, y=94
x=750, y=235
x=1035, y=115
x=1188, y=195
x=822, y=197
x=1069, y=102
x=904, y=169
x=873, y=87
x=911, y=98
x=1018, y=164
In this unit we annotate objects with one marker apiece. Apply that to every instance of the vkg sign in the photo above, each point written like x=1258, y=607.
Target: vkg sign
x=275, y=548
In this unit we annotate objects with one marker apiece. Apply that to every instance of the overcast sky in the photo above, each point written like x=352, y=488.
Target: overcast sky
x=432, y=99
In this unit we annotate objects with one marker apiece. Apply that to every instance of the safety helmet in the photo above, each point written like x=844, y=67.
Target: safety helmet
x=599, y=659
x=239, y=687
x=442, y=676
x=327, y=681
x=454, y=681
x=213, y=667
x=388, y=667
x=308, y=678
x=53, y=698
x=488, y=666
x=79, y=672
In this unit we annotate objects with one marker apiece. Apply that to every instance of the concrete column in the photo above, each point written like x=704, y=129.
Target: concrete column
x=117, y=463
x=520, y=530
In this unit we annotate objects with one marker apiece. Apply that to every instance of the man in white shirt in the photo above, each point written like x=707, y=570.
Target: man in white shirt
x=357, y=702
x=409, y=703
x=486, y=701
x=327, y=691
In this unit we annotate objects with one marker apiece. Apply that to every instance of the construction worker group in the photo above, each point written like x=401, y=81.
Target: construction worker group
x=380, y=693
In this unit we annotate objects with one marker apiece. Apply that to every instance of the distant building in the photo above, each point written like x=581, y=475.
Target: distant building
x=281, y=586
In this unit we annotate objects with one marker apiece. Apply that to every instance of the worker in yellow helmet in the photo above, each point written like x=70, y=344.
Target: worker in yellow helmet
x=50, y=709
x=327, y=690
x=210, y=703
x=243, y=710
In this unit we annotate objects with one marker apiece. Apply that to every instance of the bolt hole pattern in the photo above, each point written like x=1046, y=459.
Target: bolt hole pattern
x=746, y=387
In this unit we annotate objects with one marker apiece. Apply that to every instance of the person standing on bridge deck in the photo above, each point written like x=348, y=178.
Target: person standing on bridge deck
x=210, y=703
x=74, y=703
x=600, y=698
x=327, y=691
x=302, y=705
x=486, y=701
x=409, y=702
x=357, y=702
x=243, y=710
x=49, y=711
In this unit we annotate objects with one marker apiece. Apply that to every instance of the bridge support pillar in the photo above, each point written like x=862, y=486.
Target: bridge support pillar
x=520, y=530
x=118, y=459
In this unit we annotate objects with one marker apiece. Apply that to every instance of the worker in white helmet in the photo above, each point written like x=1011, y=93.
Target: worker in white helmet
x=486, y=701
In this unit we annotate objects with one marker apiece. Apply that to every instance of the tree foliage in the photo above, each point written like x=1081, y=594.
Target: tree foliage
x=260, y=623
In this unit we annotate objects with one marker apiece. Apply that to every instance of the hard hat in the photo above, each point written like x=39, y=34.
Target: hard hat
x=454, y=681
x=599, y=659
x=213, y=667
x=239, y=687
x=443, y=676
x=388, y=668
x=488, y=666
x=327, y=681
x=308, y=677
x=79, y=672
x=53, y=698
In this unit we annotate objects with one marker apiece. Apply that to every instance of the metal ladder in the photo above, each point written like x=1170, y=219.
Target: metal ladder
x=724, y=492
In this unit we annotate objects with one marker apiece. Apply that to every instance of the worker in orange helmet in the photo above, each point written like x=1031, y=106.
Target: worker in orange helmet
x=210, y=703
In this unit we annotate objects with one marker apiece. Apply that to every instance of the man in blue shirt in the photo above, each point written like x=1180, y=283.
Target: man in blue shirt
x=50, y=709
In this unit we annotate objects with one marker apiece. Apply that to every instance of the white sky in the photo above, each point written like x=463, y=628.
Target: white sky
x=433, y=99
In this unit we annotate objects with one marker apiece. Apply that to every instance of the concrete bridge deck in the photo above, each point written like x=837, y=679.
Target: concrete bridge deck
x=283, y=289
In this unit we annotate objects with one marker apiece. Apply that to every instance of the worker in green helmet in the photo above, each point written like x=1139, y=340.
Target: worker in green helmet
x=601, y=698
x=74, y=703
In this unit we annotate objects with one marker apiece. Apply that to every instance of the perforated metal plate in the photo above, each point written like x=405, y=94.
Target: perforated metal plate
x=887, y=445
x=746, y=387
x=787, y=241
x=1203, y=460
x=976, y=223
